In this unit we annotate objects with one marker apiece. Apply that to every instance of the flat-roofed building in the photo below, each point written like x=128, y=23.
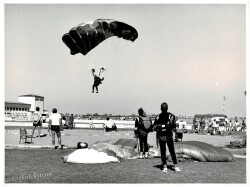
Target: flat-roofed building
x=17, y=107
x=33, y=100
x=17, y=111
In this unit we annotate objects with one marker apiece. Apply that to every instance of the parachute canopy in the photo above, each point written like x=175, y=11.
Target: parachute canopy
x=114, y=150
x=86, y=36
x=203, y=152
x=88, y=156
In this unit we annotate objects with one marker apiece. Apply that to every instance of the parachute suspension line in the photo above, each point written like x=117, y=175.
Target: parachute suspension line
x=90, y=60
x=93, y=62
x=119, y=46
x=116, y=45
x=84, y=63
x=107, y=51
x=104, y=56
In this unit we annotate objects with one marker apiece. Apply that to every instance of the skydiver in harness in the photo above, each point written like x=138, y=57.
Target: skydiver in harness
x=97, y=79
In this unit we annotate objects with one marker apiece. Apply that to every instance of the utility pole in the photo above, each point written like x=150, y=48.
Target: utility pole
x=224, y=104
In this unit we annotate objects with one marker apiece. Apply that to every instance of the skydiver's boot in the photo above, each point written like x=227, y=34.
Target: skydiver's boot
x=177, y=169
x=165, y=168
x=141, y=155
x=146, y=155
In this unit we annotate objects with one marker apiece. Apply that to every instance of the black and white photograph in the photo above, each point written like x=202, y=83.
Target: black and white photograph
x=125, y=93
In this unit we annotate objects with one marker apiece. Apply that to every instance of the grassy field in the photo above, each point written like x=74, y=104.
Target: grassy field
x=45, y=166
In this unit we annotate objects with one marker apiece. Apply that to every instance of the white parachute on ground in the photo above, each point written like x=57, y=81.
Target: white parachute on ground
x=88, y=156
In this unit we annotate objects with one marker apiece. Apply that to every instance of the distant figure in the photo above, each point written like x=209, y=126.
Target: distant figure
x=195, y=126
x=184, y=128
x=243, y=129
x=143, y=126
x=165, y=125
x=230, y=125
x=210, y=129
x=71, y=122
x=109, y=125
x=37, y=121
x=237, y=125
x=226, y=126
x=202, y=125
x=55, y=125
x=215, y=127
x=63, y=121
x=97, y=80
x=91, y=123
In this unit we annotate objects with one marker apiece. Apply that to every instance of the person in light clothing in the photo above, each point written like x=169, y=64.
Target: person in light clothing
x=215, y=127
x=109, y=125
x=37, y=121
x=55, y=126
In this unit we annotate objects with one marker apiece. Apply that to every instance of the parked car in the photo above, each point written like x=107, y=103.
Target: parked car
x=45, y=117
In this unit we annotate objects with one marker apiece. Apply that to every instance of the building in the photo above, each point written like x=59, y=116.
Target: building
x=17, y=111
x=16, y=107
x=23, y=109
x=33, y=100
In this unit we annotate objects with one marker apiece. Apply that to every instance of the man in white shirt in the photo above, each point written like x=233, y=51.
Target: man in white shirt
x=109, y=125
x=55, y=125
x=37, y=121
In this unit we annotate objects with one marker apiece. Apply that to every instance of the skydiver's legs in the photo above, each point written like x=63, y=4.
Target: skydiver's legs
x=59, y=138
x=53, y=137
x=170, y=144
x=39, y=130
x=163, y=153
x=34, y=127
x=95, y=87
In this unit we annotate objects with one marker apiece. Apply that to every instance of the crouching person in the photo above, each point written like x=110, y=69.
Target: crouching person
x=165, y=125
x=55, y=126
x=109, y=125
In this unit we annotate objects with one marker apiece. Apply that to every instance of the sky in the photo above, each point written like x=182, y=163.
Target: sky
x=187, y=55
